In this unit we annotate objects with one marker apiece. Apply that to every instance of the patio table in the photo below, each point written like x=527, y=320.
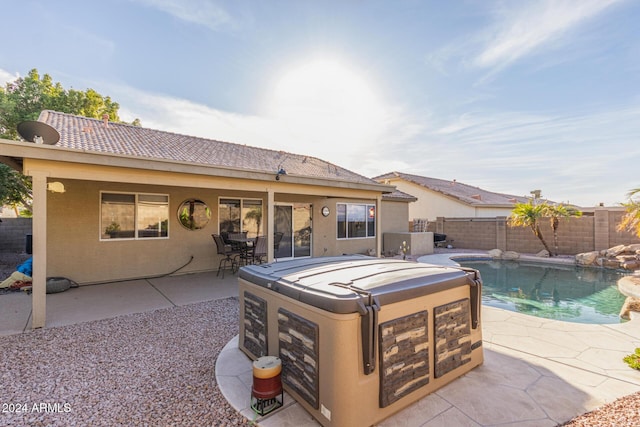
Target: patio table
x=244, y=244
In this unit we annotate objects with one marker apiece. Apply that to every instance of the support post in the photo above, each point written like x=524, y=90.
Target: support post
x=39, y=295
x=378, y=226
x=270, y=227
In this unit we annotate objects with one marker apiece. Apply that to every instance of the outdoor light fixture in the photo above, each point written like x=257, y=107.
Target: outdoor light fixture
x=56, y=187
x=281, y=171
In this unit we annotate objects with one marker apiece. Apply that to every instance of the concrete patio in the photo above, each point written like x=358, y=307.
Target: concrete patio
x=537, y=372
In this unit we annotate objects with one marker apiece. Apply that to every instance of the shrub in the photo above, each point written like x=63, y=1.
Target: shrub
x=633, y=360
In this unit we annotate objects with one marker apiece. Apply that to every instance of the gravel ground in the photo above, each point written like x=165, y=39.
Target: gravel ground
x=622, y=412
x=154, y=369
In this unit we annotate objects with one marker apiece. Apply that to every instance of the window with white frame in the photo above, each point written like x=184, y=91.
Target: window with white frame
x=134, y=216
x=355, y=220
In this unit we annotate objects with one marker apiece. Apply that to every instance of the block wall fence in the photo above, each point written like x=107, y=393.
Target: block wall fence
x=593, y=231
x=13, y=232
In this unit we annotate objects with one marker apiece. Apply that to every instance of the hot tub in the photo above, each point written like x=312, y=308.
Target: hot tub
x=361, y=338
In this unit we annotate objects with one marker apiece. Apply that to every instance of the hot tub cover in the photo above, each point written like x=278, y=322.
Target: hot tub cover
x=338, y=284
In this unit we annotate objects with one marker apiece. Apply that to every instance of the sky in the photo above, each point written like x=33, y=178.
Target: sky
x=510, y=96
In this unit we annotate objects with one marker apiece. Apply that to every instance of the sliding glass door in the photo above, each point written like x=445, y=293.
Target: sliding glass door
x=293, y=222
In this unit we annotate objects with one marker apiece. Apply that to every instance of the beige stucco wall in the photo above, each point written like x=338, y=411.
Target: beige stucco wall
x=394, y=216
x=73, y=234
x=74, y=248
x=431, y=204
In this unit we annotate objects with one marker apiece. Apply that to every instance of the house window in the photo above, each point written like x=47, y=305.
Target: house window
x=134, y=216
x=241, y=216
x=355, y=220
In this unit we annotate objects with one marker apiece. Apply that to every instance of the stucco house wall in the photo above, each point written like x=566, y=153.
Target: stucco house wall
x=449, y=199
x=75, y=249
x=394, y=214
x=431, y=204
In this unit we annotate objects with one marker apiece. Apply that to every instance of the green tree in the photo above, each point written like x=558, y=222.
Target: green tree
x=631, y=220
x=555, y=213
x=15, y=188
x=24, y=99
x=529, y=215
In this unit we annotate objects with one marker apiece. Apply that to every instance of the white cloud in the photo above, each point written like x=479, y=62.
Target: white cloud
x=201, y=12
x=6, y=77
x=521, y=32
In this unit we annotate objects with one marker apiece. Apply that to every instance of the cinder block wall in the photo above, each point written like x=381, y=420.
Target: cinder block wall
x=618, y=237
x=13, y=233
x=575, y=235
x=476, y=233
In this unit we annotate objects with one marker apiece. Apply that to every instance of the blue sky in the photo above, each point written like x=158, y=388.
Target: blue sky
x=509, y=96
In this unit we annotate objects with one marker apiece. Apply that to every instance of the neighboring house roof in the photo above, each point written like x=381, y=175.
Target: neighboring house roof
x=99, y=136
x=473, y=196
x=399, y=196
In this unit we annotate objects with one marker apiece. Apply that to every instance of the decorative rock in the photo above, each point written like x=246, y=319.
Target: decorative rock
x=495, y=253
x=510, y=255
x=630, y=305
x=543, y=254
x=630, y=286
x=587, y=258
x=610, y=263
x=615, y=251
x=621, y=256
x=630, y=265
x=635, y=248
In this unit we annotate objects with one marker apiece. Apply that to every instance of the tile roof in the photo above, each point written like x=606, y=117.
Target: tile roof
x=465, y=193
x=82, y=133
x=398, y=195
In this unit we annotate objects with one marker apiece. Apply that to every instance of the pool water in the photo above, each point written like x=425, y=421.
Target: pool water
x=569, y=293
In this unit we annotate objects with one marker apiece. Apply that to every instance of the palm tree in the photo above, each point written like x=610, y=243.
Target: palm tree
x=255, y=214
x=529, y=215
x=631, y=220
x=555, y=212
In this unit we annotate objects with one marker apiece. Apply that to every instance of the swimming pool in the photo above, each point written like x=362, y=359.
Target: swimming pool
x=569, y=293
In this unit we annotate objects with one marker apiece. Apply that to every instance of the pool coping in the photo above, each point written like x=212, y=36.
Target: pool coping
x=451, y=258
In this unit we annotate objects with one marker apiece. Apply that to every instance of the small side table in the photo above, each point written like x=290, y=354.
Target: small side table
x=267, y=394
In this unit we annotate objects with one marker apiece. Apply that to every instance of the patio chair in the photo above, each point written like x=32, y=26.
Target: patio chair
x=259, y=250
x=230, y=255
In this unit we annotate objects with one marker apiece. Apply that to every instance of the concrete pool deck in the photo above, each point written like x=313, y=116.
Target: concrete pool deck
x=537, y=372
